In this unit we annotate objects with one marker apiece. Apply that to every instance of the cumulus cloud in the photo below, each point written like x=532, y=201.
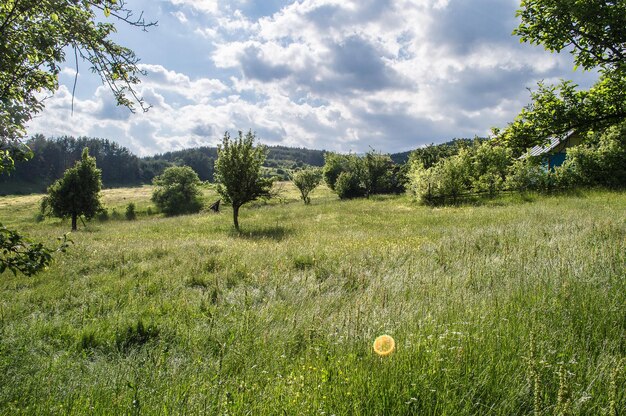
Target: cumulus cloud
x=205, y=6
x=339, y=75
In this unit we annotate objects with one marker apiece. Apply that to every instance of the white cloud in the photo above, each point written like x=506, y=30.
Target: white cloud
x=182, y=18
x=200, y=90
x=334, y=74
x=205, y=6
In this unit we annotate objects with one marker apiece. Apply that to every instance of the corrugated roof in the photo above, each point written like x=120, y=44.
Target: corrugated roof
x=541, y=150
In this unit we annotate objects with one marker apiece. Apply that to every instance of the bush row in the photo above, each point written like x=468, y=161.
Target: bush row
x=488, y=169
x=352, y=176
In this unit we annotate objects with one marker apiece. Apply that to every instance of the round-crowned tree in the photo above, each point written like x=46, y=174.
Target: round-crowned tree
x=177, y=191
x=77, y=193
x=238, y=172
x=306, y=181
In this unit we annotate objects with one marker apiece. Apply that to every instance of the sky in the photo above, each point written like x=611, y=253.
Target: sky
x=338, y=75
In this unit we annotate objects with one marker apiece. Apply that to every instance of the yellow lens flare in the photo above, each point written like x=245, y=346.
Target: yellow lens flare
x=384, y=345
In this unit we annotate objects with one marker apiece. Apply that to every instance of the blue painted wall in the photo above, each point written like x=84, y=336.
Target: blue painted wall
x=556, y=159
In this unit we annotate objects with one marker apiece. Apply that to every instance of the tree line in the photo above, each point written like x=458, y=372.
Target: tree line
x=51, y=157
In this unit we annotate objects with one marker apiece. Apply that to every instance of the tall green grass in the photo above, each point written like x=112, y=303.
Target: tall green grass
x=514, y=307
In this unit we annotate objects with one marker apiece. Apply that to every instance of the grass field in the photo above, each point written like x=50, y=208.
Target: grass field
x=513, y=307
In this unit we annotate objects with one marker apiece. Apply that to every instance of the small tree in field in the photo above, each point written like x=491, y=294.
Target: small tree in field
x=306, y=181
x=238, y=172
x=77, y=193
x=177, y=192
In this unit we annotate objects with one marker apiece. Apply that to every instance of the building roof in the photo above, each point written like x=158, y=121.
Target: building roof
x=547, y=148
x=556, y=144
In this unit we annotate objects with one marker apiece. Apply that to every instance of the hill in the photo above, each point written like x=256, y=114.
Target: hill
x=52, y=156
x=512, y=307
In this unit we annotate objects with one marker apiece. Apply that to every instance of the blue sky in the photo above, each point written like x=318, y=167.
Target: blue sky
x=342, y=75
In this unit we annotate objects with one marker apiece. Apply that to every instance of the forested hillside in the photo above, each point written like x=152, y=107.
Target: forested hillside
x=51, y=157
x=120, y=167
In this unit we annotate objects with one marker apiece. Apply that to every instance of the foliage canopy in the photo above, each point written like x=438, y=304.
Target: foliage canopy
x=18, y=254
x=593, y=31
x=480, y=169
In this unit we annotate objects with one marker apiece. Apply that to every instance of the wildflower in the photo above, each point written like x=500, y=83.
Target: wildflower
x=384, y=345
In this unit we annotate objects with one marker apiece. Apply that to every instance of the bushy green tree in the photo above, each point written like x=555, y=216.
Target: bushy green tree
x=306, y=180
x=350, y=185
x=557, y=110
x=454, y=175
x=489, y=167
x=429, y=155
x=352, y=176
x=379, y=173
x=334, y=164
x=176, y=191
x=593, y=31
x=600, y=161
x=480, y=169
x=383, y=176
x=527, y=174
x=130, y=213
x=238, y=172
x=77, y=193
x=34, y=37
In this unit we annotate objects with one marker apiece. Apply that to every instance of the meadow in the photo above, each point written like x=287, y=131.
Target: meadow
x=514, y=306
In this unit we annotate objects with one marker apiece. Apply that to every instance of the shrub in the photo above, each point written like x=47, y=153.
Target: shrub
x=527, y=174
x=349, y=185
x=601, y=161
x=334, y=165
x=479, y=169
x=453, y=175
x=446, y=180
x=371, y=174
x=102, y=215
x=306, y=181
x=421, y=182
x=382, y=176
x=130, y=212
x=488, y=183
x=489, y=166
x=115, y=215
x=177, y=192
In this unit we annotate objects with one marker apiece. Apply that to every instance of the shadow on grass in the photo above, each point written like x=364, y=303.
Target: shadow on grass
x=276, y=233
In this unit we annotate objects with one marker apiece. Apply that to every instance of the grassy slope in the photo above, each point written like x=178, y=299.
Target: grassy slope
x=498, y=309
